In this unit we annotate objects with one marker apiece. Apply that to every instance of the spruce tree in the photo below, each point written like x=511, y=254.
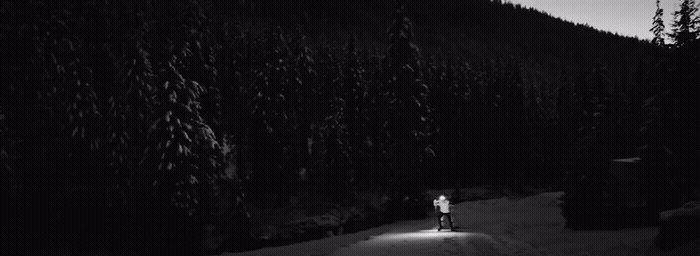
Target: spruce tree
x=591, y=188
x=353, y=96
x=685, y=24
x=516, y=124
x=86, y=176
x=680, y=104
x=303, y=96
x=168, y=181
x=658, y=26
x=337, y=177
x=405, y=122
x=48, y=136
x=564, y=109
x=199, y=61
x=182, y=170
x=10, y=182
x=270, y=177
x=129, y=110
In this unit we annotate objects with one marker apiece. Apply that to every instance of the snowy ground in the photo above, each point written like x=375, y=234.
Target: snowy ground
x=528, y=226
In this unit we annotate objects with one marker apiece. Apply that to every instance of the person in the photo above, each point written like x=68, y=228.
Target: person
x=444, y=210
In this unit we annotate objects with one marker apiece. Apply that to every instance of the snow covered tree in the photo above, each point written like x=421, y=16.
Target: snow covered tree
x=406, y=119
x=336, y=177
x=355, y=109
x=182, y=170
x=85, y=173
x=129, y=110
x=331, y=78
x=353, y=89
x=307, y=82
x=270, y=176
x=50, y=133
x=169, y=183
x=199, y=61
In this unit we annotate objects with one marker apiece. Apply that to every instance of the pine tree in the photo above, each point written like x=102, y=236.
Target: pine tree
x=269, y=125
x=513, y=105
x=406, y=118
x=684, y=84
x=10, y=178
x=337, y=177
x=353, y=95
x=564, y=110
x=129, y=110
x=233, y=76
x=680, y=103
x=355, y=108
x=199, y=61
x=86, y=175
x=303, y=96
x=685, y=25
x=658, y=26
x=590, y=187
x=49, y=137
x=25, y=79
x=376, y=139
x=181, y=168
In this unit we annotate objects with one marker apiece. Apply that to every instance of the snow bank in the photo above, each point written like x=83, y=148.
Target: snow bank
x=331, y=244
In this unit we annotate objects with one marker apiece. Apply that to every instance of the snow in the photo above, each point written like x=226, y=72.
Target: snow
x=329, y=245
x=632, y=160
x=502, y=226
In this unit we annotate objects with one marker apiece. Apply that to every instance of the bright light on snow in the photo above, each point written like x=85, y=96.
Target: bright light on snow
x=425, y=234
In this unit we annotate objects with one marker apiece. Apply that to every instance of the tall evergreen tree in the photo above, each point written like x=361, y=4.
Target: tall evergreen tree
x=354, y=109
x=406, y=117
x=181, y=171
x=658, y=27
x=86, y=175
x=564, y=108
x=337, y=177
x=270, y=176
x=685, y=24
x=48, y=135
x=681, y=108
x=516, y=124
x=353, y=90
x=199, y=63
x=305, y=79
x=129, y=110
x=10, y=179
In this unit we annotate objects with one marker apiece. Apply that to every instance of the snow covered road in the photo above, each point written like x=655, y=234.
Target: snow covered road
x=424, y=242
x=496, y=227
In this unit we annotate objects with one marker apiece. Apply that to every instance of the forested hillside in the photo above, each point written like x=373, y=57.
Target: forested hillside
x=454, y=29
x=173, y=127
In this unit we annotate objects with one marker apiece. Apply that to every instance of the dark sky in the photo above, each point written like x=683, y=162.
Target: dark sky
x=625, y=17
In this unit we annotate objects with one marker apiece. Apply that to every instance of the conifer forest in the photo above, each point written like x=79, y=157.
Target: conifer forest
x=189, y=127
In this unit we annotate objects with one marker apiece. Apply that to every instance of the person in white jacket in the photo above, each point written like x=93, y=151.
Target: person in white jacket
x=444, y=210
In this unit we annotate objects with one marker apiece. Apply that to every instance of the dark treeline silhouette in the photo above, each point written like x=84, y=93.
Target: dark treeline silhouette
x=161, y=126
x=667, y=139
x=474, y=29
